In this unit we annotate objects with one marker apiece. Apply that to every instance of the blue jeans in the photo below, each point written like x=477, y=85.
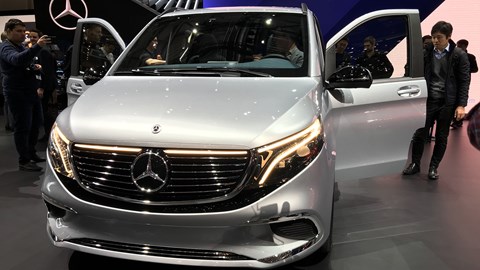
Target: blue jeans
x=26, y=109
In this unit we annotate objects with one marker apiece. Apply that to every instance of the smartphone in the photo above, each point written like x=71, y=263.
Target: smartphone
x=53, y=39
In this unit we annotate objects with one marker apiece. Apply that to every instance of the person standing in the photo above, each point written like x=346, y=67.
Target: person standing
x=48, y=83
x=463, y=44
x=447, y=73
x=20, y=84
x=375, y=61
x=342, y=57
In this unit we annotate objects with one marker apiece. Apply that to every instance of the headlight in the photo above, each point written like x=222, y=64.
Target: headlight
x=59, y=152
x=282, y=160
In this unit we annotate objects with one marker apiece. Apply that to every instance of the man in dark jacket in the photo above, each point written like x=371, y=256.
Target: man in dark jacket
x=48, y=83
x=447, y=72
x=375, y=61
x=20, y=84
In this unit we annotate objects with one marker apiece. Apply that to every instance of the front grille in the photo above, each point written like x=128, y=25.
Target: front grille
x=198, y=178
x=159, y=251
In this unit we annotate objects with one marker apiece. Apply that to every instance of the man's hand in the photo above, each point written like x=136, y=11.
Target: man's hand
x=151, y=61
x=40, y=92
x=459, y=113
x=44, y=40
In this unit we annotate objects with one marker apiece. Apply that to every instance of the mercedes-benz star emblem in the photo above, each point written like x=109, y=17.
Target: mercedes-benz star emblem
x=156, y=129
x=68, y=11
x=149, y=172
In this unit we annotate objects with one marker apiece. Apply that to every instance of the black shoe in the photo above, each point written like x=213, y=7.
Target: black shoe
x=29, y=167
x=456, y=124
x=36, y=159
x=432, y=173
x=412, y=168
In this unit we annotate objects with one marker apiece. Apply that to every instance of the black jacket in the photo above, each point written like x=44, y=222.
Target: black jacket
x=457, y=82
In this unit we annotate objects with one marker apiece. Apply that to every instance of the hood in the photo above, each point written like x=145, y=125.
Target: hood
x=214, y=113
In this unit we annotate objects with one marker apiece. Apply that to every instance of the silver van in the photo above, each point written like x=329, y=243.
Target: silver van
x=216, y=136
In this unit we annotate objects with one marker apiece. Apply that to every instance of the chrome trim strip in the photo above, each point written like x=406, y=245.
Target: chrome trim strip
x=158, y=251
x=57, y=204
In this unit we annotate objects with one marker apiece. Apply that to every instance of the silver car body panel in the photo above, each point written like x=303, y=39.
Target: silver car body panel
x=227, y=113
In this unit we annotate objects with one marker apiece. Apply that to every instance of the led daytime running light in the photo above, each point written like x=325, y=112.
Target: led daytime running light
x=206, y=152
x=312, y=128
x=59, y=139
x=109, y=148
x=313, y=131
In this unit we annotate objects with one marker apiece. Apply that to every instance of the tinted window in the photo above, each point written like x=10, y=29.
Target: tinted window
x=380, y=45
x=272, y=43
x=98, y=48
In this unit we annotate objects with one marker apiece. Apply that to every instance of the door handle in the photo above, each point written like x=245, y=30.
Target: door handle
x=409, y=91
x=76, y=88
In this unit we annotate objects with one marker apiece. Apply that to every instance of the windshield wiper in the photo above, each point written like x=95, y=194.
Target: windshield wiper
x=198, y=71
x=172, y=71
x=229, y=69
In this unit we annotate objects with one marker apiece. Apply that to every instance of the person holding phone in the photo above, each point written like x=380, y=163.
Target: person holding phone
x=20, y=83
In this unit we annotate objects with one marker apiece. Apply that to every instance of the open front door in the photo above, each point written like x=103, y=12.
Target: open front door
x=96, y=46
x=373, y=127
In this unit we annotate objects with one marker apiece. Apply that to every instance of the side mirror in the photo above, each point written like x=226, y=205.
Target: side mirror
x=94, y=74
x=350, y=77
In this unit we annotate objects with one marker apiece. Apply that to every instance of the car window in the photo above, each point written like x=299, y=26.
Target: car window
x=380, y=45
x=98, y=47
x=272, y=43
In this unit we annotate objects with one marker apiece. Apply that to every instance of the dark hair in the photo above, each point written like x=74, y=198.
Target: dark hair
x=371, y=40
x=89, y=26
x=463, y=42
x=443, y=27
x=10, y=24
x=426, y=37
x=344, y=38
x=36, y=31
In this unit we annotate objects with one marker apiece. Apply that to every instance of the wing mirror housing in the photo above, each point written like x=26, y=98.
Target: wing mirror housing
x=94, y=74
x=350, y=77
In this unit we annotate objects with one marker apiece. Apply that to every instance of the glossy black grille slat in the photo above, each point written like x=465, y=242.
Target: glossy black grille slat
x=210, y=165
x=204, y=185
x=96, y=166
x=102, y=173
x=159, y=251
x=208, y=172
x=216, y=178
x=190, y=178
x=91, y=178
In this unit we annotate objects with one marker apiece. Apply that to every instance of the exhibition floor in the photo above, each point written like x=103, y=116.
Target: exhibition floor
x=391, y=222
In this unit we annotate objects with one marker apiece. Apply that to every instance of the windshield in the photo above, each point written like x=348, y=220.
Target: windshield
x=272, y=44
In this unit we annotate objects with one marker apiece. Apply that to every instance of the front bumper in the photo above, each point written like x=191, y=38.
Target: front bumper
x=268, y=233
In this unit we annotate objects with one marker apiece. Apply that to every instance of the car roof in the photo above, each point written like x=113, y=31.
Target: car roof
x=234, y=10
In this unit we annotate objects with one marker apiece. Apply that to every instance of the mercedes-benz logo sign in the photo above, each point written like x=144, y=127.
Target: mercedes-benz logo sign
x=149, y=172
x=156, y=129
x=68, y=11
